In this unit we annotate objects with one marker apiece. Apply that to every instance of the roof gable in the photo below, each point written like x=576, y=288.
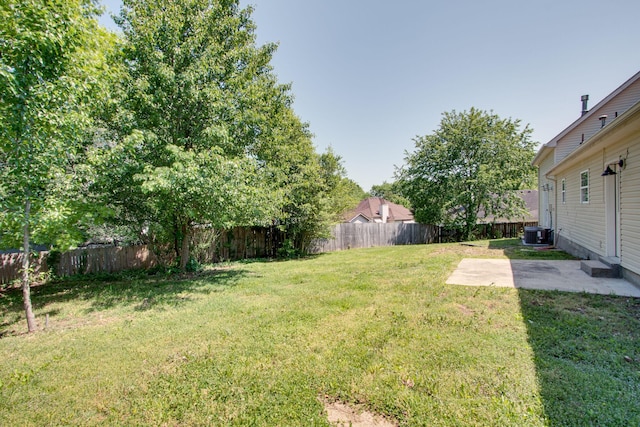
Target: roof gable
x=589, y=124
x=358, y=217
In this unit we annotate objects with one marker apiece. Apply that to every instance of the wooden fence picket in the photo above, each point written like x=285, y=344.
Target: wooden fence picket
x=247, y=242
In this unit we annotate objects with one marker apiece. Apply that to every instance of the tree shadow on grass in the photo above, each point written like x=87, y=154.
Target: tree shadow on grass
x=587, y=356
x=105, y=291
x=298, y=257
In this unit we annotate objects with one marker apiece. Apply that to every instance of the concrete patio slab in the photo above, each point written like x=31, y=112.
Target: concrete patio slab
x=545, y=275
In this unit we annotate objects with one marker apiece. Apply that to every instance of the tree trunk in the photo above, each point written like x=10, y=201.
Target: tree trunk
x=184, y=250
x=176, y=237
x=26, y=288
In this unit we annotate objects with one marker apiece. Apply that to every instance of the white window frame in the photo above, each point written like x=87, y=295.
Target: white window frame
x=584, y=188
x=563, y=190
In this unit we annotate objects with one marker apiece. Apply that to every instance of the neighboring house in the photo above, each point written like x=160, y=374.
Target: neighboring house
x=530, y=198
x=589, y=182
x=377, y=209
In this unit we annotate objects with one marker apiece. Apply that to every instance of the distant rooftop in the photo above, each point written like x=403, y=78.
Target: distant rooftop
x=371, y=210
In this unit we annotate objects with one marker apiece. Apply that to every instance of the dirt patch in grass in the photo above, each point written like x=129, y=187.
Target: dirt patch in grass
x=465, y=310
x=343, y=415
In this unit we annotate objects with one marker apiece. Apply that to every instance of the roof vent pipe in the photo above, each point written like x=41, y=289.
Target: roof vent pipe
x=584, y=99
x=603, y=120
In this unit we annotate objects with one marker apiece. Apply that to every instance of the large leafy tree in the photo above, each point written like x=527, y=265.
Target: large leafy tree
x=475, y=161
x=390, y=191
x=294, y=167
x=342, y=192
x=49, y=63
x=200, y=105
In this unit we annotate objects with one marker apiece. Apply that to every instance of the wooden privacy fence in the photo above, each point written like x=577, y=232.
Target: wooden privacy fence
x=351, y=236
x=107, y=259
x=234, y=244
x=79, y=261
x=244, y=243
x=237, y=243
x=507, y=230
x=11, y=266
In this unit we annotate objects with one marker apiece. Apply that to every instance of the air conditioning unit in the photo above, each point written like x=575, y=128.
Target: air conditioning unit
x=531, y=235
x=544, y=235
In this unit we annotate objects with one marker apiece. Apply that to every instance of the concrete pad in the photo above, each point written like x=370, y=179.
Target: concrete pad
x=545, y=275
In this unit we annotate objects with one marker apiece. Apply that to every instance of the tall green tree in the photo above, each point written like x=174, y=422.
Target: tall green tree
x=342, y=192
x=474, y=161
x=49, y=60
x=199, y=100
x=390, y=191
x=294, y=167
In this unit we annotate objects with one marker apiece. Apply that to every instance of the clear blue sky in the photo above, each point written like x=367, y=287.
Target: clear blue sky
x=370, y=75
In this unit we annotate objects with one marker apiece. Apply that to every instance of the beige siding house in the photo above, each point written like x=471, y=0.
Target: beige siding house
x=589, y=183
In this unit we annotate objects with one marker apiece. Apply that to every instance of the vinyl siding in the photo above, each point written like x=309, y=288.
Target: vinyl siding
x=630, y=208
x=544, y=218
x=591, y=125
x=583, y=223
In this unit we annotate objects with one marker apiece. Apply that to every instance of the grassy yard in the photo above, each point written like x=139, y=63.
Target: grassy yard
x=267, y=343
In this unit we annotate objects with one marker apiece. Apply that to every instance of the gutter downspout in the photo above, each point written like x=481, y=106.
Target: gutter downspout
x=554, y=214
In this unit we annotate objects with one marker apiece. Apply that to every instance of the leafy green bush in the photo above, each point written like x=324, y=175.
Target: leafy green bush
x=193, y=265
x=288, y=250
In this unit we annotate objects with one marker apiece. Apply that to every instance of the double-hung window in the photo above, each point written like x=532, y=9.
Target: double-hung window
x=584, y=187
x=563, y=189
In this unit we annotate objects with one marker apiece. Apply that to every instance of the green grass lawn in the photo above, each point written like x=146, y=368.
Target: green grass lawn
x=265, y=343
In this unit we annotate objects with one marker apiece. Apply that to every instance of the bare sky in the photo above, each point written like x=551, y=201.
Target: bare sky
x=370, y=75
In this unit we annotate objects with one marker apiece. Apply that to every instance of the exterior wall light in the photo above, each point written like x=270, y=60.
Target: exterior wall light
x=608, y=171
